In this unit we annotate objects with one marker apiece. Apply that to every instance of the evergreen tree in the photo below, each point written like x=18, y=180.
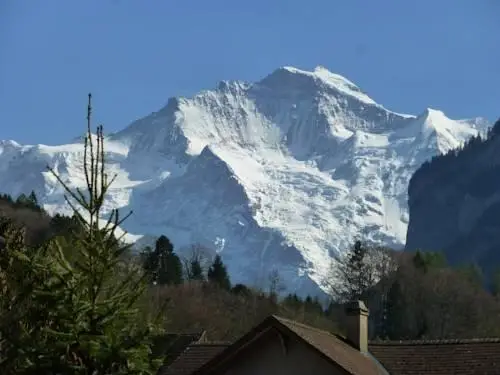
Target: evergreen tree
x=292, y=300
x=6, y=198
x=17, y=283
x=22, y=200
x=394, y=320
x=218, y=275
x=149, y=263
x=169, y=264
x=354, y=272
x=162, y=264
x=163, y=246
x=33, y=199
x=195, y=270
x=83, y=316
x=428, y=260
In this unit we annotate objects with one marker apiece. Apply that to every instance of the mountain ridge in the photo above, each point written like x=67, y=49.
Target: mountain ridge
x=278, y=174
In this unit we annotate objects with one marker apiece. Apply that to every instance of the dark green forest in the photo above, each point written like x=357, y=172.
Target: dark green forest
x=74, y=299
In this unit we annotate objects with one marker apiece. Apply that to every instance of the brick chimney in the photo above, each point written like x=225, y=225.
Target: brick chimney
x=357, y=324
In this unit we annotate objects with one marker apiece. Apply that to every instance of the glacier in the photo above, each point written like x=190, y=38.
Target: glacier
x=278, y=175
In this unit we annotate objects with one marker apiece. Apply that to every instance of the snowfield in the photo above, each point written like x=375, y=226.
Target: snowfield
x=282, y=174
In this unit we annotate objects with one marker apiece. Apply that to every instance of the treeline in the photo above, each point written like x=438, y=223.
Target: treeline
x=25, y=212
x=416, y=295
x=185, y=282
x=199, y=294
x=411, y=295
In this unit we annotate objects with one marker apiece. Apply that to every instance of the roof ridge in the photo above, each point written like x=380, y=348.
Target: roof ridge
x=436, y=341
x=286, y=320
x=194, y=333
x=211, y=343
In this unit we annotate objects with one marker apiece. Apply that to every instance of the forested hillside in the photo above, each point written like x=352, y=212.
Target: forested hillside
x=454, y=202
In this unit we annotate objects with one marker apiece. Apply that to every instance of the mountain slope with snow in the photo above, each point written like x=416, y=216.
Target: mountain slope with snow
x=279, y=174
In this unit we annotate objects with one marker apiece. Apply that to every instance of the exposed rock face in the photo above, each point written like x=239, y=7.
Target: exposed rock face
x=454, y=204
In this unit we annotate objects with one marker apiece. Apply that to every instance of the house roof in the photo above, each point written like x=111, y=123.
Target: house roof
x=192, y=358
x=439, y=357
x=330, y=347
x=171, y=345
x=432, y=357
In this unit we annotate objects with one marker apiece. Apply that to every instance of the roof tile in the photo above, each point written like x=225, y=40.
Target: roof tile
x=439, y=357
x=192, y=358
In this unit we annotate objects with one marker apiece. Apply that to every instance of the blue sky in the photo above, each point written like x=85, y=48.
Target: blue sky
x=134, y=54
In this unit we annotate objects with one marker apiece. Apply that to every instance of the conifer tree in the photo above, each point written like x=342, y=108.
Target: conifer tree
x=83, y=315
x=149, y=263
x=353, y=272
x=292, y=300
x=17, y=282
x=169, y=264
x=217, y=273
x=33, y=199
x=162, y=264
x=22, y=200
x=428, y=260
x=194, y=264
x=195, y=270
x=393, y=326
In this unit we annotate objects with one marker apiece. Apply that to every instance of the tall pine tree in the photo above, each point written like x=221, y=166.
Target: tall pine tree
x=217, y=273
x=33, y=199
x=162, y=264
x=195, y=270
x=353, y=272
x=170, y=266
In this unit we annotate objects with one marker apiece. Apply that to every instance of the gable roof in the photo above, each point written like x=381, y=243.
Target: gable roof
x=340, y=354
x=439, y=357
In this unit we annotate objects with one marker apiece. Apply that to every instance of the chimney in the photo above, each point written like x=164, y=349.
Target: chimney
x=357, y=324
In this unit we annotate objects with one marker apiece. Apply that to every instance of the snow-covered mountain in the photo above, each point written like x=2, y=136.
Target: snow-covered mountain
x=279, y=174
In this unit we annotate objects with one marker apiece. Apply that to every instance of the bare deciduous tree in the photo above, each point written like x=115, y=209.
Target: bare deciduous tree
x=197, y=262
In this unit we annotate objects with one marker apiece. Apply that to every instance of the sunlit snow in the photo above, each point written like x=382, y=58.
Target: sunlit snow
x=280, y=174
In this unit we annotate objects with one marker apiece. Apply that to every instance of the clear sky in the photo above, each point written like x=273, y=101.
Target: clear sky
x=134, y=54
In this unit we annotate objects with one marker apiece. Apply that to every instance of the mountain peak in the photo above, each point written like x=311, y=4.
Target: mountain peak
x=291, y=77
x=284, y=173
x=431, y=112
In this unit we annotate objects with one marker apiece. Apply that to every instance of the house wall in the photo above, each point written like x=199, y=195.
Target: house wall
x=270, y=358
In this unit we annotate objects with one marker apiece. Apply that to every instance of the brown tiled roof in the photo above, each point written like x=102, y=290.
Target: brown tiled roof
x=431, y=357
x=340, y=354
x=439, y=357
x=193, y=357
x=171, y=345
